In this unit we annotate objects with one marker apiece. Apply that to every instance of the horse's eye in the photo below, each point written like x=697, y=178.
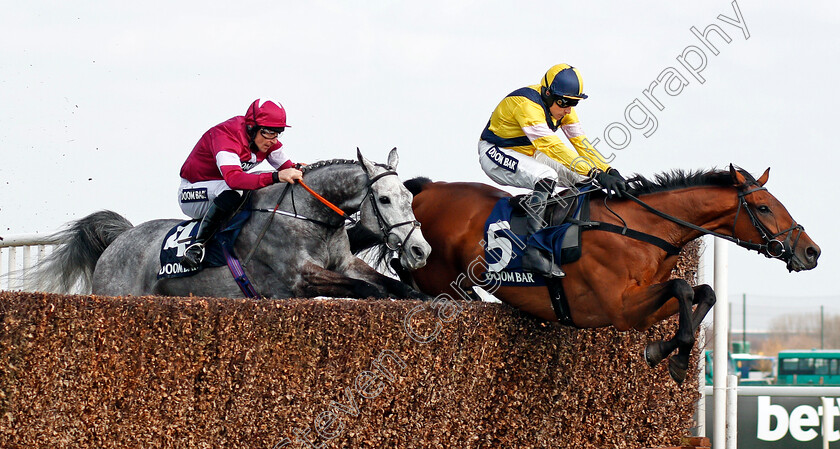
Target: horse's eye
x=763, y=209
x=384, y=200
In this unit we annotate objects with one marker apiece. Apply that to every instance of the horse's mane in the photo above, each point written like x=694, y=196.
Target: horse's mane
x=681, y=179
x=329, y=162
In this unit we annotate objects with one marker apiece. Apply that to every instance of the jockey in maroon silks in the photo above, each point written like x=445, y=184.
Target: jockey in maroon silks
x=215, y=176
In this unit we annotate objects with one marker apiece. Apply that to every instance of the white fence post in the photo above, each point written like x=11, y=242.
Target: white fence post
x=12, y=263
x=17, y=267
x=720, y=364
x=731, y=411
x=700, y=412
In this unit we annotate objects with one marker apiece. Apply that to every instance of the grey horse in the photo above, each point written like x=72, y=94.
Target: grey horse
x=299, y=246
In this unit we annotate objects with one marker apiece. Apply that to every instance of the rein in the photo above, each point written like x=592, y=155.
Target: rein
x=739, y=242
x=294, y=214
x=783, y=249
x=326, y=202
x=387, y=229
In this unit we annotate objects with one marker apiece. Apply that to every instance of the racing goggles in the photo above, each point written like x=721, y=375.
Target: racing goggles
x=271, y=134
x=566, y=102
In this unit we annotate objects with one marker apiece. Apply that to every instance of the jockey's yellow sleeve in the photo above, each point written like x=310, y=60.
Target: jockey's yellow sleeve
x=522, y=123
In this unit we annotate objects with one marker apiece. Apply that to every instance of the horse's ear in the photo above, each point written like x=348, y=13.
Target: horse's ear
x=366, y=165
x=393, y=158
x=763, y=179
x=737, y=178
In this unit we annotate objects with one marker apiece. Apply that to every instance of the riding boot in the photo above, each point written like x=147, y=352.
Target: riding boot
x=536, y=260
x=221, y=210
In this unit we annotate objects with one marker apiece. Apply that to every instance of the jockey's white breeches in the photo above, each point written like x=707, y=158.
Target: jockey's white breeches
x=195, y=197
x=512, y=168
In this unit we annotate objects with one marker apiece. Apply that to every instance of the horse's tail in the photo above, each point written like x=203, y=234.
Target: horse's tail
x=69, y=268
x=415, y=185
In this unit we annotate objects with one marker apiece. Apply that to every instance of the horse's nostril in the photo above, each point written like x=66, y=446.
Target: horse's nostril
x=418, y=252
x=813, y=253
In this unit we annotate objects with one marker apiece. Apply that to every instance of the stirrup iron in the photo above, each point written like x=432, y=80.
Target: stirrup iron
x=189, y=264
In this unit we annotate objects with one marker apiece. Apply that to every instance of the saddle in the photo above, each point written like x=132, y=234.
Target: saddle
x=568, y=216
x=566, y=212
x=217, y=249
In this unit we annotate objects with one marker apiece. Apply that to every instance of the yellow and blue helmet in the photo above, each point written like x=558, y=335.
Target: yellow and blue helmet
x=563, y=81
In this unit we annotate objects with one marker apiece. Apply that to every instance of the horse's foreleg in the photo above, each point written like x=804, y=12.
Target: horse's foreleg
x=704, y=298
x=656, y=299
x=318, y=281
x=400, y=290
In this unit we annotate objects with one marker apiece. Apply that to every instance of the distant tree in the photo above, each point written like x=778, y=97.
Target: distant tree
x=832, y=332
x=802, y=331
x=792, y=331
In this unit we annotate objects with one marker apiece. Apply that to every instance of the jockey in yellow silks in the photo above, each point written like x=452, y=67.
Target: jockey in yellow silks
x=519, y=148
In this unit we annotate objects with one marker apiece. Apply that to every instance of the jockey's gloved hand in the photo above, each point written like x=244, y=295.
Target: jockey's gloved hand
x=615, y=173
x=612, y=181
x=622, y=186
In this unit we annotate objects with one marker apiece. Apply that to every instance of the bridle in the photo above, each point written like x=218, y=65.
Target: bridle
x=386, y=228
x=772, y=246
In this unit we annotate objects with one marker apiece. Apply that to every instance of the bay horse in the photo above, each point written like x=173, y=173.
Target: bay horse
x=299, y=245
x=618, y=281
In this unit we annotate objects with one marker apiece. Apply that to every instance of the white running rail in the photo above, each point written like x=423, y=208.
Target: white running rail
x=18, y=253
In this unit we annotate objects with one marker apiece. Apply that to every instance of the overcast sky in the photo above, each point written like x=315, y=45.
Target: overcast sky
x=102, y=101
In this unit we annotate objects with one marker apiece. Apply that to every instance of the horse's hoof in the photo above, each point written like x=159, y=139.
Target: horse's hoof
x=677, y=370
x=653, y=354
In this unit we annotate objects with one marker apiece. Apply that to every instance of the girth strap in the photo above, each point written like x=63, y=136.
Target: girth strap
x=559, y=302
